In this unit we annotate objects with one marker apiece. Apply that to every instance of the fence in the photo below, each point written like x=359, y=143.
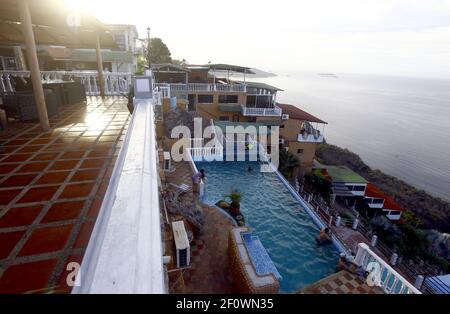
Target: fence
x=384, y=275
x=414, y=272
x=116, y=83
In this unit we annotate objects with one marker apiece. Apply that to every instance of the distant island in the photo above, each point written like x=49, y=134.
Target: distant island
x=261, y=74
x=332, y=75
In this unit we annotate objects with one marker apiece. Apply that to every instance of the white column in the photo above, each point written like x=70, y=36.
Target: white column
x=373, y=241
x=361, y=254
x=419, y=281
x=394, y=258
x=355, y=224
x=101, y=79
x=338, y=221
x=27, y=28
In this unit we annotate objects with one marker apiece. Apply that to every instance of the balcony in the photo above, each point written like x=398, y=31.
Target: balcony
x=201, y=87
x=52, y=186
x=72, y=194
x=310, y=137
x=262, y=112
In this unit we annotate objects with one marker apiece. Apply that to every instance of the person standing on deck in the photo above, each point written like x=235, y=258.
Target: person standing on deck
x=196, y=179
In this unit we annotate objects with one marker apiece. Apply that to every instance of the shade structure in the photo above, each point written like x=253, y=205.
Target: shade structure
x=53, y=24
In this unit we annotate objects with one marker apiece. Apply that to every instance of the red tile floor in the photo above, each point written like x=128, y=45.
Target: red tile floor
x=51, y=188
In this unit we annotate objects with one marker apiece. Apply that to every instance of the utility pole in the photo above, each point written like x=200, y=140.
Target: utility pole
x=148, y=47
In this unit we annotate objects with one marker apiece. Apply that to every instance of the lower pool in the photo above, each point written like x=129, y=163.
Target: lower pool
x=284, y=227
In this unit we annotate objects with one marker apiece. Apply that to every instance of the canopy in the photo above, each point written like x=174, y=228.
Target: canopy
x=229, y=67
x=439, y=284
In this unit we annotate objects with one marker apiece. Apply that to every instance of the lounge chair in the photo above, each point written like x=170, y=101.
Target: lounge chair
x=180, y=189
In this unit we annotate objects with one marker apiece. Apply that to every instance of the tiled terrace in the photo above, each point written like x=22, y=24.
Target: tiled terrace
x=342, y=282
x=51, y=188
x=210, y=271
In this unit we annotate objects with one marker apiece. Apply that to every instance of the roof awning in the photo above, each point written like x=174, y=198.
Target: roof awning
x=169, y=68
x=52, y=25
x=89, y=55
x=56, y=53
x=229, y=67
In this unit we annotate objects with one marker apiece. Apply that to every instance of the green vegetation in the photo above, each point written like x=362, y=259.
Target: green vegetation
x=287, y=163
x=235, y=202
x=411, y=237
x=433, y=212
x=159, y=52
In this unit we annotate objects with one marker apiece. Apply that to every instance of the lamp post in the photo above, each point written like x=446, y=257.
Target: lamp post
x=148, y=47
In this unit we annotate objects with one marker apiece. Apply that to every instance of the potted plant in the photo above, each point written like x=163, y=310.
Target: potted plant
x=235, y=202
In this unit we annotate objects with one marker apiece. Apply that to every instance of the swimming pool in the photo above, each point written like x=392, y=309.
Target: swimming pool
x=284, y=227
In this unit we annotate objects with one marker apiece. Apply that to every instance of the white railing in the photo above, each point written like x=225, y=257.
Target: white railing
x=164, y=89
x=310, y=138
x=116, y=83
x=157, y=96
x=125, y=252
x=383, y=275
x=275, y=111
x=203, y=87
x=213, y=153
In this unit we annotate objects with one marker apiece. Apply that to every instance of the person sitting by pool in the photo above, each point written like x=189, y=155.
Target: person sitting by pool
x=324, y=236
x=346, y=263
x=196, y=179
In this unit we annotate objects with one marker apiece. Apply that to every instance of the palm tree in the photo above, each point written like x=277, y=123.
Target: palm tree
x=288, y=162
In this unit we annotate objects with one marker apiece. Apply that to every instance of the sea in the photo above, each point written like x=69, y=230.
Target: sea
x=399, y=125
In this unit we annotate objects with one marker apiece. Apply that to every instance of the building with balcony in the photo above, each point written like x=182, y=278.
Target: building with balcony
x=300, y=135
x=381, y=203
x=210, y=91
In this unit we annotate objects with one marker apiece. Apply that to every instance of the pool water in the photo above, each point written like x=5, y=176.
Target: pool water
x=284, y=227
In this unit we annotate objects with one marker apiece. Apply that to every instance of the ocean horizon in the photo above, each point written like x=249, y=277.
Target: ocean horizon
x=399, y=125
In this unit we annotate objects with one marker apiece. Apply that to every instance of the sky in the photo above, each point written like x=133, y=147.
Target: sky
x=384, y=37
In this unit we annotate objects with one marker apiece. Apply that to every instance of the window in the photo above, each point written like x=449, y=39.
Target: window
x=394, y=213
x=224, y=118
x=300, y=151
x=359, y=188
x=228, y=99
x=377, y=201
x=205, y=99
x=282, y=126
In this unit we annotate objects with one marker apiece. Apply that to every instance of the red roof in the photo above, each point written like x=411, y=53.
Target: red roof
x=389, y=203
x=297, y=113
x=373, y=191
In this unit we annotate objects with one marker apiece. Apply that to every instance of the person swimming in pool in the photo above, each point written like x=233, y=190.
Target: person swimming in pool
x=324, y=237
x=249, y=169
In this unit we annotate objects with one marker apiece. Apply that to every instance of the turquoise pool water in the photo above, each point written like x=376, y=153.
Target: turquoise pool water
x=284, y=227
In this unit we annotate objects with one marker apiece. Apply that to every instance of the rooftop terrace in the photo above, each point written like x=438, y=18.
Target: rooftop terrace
x=51, y=188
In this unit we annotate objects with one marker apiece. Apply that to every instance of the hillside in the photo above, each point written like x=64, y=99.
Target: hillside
x=434, y=212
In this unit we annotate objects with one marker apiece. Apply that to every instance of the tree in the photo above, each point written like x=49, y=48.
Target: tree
x=159, y=52
x=288, y=162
